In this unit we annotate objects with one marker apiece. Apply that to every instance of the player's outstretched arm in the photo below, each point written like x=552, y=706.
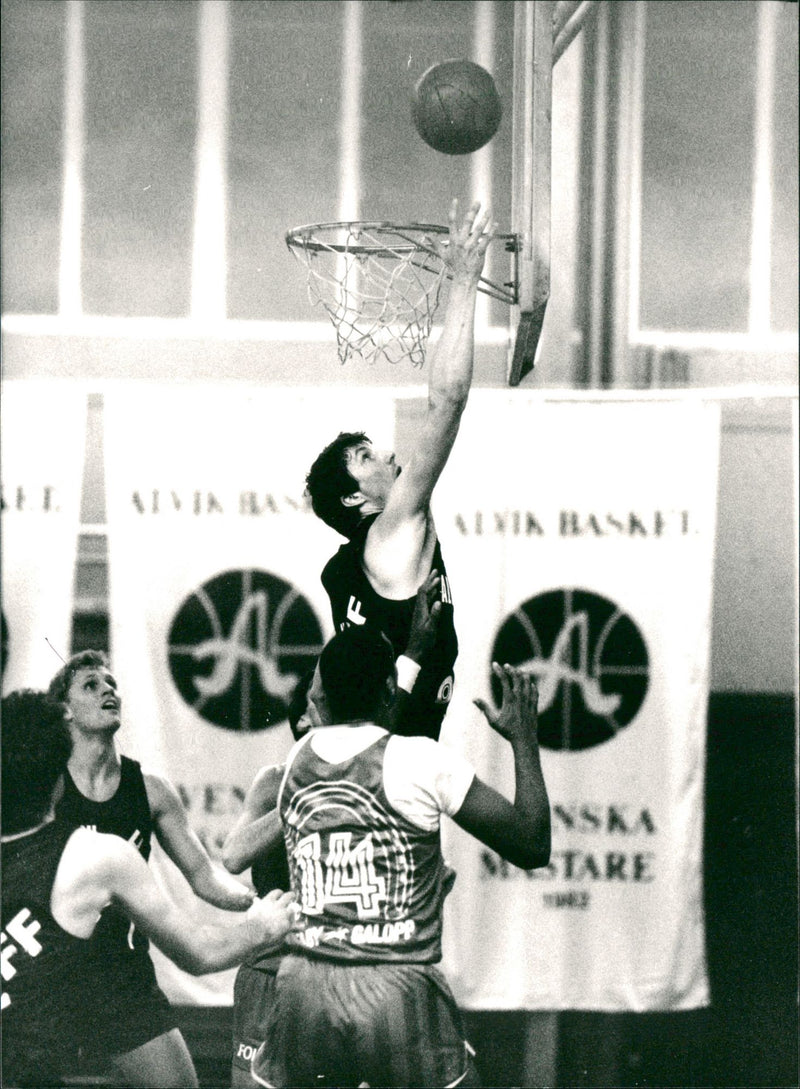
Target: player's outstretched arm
x=97, y=869
x=450, y=378
x=207, y=879
x=257, y=830
x=519, y=831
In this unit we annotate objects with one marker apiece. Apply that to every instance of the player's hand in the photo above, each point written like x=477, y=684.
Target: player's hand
x=517, y=716
x=273, y=917
x=469, y=238
x=425, y=618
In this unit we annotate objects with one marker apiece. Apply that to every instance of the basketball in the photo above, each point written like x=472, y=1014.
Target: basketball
x=456, y=108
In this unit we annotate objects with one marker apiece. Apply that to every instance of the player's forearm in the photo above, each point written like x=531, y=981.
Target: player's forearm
x=531, y=802
x=217, y=887
x=452, y=358
x=247, y=843
x=213, y=948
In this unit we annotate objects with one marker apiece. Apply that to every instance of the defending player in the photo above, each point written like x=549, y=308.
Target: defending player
x=256, y=839
x=386, y=515
x=57, y=881
x=361, y=811
x=112, y=794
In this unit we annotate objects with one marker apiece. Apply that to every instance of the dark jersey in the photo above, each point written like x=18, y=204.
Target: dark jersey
x=270, y=871
x=354, y=601
x=370, y=880
x=125, y=814
x=44, y=968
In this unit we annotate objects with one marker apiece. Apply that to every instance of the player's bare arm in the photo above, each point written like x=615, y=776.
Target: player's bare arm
x=518, y=831
x=208, y=880
x=258, y=827
x=98, y=869
x=400, y=541
x=421, y=637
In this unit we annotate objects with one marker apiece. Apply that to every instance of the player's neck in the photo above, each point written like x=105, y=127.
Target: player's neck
x=371, y=506
x=95, y=763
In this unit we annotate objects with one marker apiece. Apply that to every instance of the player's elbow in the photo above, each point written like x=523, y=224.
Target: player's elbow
x=448, y=402
x=529, y=857
x=533, y=851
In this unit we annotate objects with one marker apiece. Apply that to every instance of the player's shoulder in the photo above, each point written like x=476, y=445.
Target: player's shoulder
x=337, y=565
x=92, y=850
x=416, y=753
x=424, y=757
x=161, y=794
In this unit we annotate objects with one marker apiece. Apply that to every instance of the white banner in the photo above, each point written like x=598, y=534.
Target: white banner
x=43, y=438
x=215, y=597
x=579, y=539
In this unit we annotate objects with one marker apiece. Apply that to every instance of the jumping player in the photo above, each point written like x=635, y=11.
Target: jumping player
x=361, y=811
x=57, y=883
x=111, y=793
x=360, y=492
x=256, y=839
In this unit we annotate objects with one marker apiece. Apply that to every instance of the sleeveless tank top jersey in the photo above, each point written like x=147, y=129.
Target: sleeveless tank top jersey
x=370, y=882
x=125, y=814
x=45, y=969
x=354, y=601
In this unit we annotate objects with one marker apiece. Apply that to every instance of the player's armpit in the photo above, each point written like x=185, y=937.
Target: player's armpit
x=493, y=820
x=398, y=550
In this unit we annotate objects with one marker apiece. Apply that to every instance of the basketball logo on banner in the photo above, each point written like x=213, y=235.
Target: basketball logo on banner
x=238, y=646
x=590, y=661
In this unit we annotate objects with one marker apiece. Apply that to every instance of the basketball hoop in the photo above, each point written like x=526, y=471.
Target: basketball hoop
x=380, y=283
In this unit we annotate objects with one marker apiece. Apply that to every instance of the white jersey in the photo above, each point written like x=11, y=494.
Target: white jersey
x=361, y=810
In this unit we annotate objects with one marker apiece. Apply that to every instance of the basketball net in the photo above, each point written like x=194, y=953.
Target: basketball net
x=378, y=282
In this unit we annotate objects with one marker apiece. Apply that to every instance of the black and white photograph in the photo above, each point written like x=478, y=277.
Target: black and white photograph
x=399, y=534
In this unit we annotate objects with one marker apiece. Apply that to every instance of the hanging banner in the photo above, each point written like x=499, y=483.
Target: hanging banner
x=43, y=438
x=215, y=597
x=579, y=539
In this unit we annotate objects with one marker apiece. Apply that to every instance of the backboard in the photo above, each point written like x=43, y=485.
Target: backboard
x=530, y=178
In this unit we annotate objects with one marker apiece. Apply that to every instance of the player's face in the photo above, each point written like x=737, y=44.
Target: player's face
x=374, y=470
x=93, y=703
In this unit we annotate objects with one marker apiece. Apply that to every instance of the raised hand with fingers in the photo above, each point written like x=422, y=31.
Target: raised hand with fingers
x=425, y=618
x=469, y=238
x=517, y=715
x=518, y=830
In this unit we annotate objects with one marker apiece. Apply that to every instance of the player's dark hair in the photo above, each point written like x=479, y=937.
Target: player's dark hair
x=354, y=667
x=36, y=748
x=58, y=689
x=329, y=480
x=299, y=702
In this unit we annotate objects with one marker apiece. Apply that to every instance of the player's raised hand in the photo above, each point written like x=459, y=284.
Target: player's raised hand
x=468, y=240
x=516, y=717
x=274, y=916
x=425, y=618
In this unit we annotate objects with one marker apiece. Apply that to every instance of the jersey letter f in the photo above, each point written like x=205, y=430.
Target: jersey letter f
x=354, y=611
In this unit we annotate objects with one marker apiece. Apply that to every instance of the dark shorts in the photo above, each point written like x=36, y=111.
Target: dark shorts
x=252, y=1002
x=129, y=1010
x=337, y=1024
